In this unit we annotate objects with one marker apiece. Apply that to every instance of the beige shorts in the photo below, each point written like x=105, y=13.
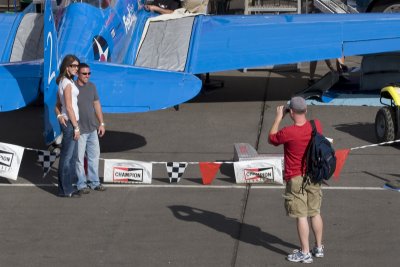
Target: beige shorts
x=301, y=202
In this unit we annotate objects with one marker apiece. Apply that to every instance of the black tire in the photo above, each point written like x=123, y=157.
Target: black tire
x=385, y=124
x=386, y=6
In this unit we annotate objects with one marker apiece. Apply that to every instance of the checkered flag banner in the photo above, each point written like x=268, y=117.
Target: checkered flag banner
x=175, y=170
x=46, y=158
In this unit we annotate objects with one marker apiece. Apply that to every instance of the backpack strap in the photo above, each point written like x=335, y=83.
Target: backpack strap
x=306, y=179
x=306, y=155
x=314, y=128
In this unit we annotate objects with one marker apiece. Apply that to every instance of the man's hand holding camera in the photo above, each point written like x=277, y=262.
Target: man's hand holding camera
x=281, y=111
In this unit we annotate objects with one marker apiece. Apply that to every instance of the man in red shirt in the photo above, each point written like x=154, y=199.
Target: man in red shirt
x=302, y=200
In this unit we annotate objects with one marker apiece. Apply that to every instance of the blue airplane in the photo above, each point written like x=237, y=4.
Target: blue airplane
x=141, y=61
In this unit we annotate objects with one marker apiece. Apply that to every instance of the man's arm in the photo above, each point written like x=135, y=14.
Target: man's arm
x=57, y=109
x=70, y=110
x=99, y=114
x=278, y=118
x=158, y=9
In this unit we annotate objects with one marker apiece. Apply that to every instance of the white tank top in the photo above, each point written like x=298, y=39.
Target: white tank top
x=75, y=92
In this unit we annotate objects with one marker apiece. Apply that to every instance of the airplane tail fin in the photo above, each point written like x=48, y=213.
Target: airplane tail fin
x=52, y=127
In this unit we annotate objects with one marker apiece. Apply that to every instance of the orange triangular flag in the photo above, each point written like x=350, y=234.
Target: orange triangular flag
x=208, y=171
x=341, y=156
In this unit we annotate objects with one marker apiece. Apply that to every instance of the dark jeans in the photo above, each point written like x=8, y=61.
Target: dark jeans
x=68, y=157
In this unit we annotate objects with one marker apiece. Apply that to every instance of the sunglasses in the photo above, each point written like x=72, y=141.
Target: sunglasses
x=74, y=65
x=86, y=73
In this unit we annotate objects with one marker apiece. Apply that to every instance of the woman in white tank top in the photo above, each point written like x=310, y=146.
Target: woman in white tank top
x=68, y=118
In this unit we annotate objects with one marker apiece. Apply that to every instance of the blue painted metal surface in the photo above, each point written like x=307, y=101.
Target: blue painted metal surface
x=50, y=66
x=20, y=81
x=9, y=25
x=6, y=32
x=119, y=28
x=234, y=42
x=141, y=89
x=19, y=84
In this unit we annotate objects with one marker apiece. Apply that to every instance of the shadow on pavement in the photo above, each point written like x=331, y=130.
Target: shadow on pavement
x=23, y=127
x=227, y=169
x=376, y=176
x=114, y=141
x=363, y=131
x=241, y=231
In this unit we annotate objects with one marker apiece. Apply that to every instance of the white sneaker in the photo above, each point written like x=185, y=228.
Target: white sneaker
x=318, y=251
x=299, y=256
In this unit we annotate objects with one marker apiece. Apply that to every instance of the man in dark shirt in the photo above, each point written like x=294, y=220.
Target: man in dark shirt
x=92, y=126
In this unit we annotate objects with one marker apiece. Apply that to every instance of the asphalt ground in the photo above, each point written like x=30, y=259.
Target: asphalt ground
x=191, y=224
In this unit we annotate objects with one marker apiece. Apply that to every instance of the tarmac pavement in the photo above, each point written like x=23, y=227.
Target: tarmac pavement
x=190, y=224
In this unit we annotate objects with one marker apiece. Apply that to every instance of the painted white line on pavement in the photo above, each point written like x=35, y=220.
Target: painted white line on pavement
x=202, y=186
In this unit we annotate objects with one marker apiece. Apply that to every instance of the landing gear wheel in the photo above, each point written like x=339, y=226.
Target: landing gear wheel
x=385, y=125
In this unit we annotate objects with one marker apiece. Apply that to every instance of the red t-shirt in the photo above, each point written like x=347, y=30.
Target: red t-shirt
x=295, y=140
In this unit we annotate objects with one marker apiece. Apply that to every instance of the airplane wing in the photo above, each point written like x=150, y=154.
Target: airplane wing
x=125, y=88
x=21, y=58
x=20, y=83
x=219, y=43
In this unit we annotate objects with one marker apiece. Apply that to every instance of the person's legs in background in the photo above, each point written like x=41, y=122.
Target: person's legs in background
x=313, y=67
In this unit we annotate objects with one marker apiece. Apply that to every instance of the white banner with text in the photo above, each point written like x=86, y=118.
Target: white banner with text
x=265, y=171
x=10, y=160
x=127, y=171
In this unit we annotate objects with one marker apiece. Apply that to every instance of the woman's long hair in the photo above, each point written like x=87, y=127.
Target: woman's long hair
x=67, y=61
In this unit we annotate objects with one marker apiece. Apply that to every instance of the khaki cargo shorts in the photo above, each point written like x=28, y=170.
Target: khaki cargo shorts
x=301, y=202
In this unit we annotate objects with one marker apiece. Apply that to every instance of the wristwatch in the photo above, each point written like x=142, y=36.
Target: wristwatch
x=103, y=124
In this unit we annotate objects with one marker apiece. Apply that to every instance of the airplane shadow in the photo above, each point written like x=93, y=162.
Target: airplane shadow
x=23, y=127
x=115, y=141
x=241, y=231
x=364, y=131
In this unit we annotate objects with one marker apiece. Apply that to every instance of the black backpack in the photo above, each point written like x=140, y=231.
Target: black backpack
x=320, y=157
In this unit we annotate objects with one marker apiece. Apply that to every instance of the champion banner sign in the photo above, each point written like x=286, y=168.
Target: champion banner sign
x=127, y=171
x=263, y=171
x=10, y=160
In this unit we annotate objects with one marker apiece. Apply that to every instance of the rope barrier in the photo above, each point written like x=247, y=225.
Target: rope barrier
x=373, y=145
x=190, y=162
x=232, y=162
